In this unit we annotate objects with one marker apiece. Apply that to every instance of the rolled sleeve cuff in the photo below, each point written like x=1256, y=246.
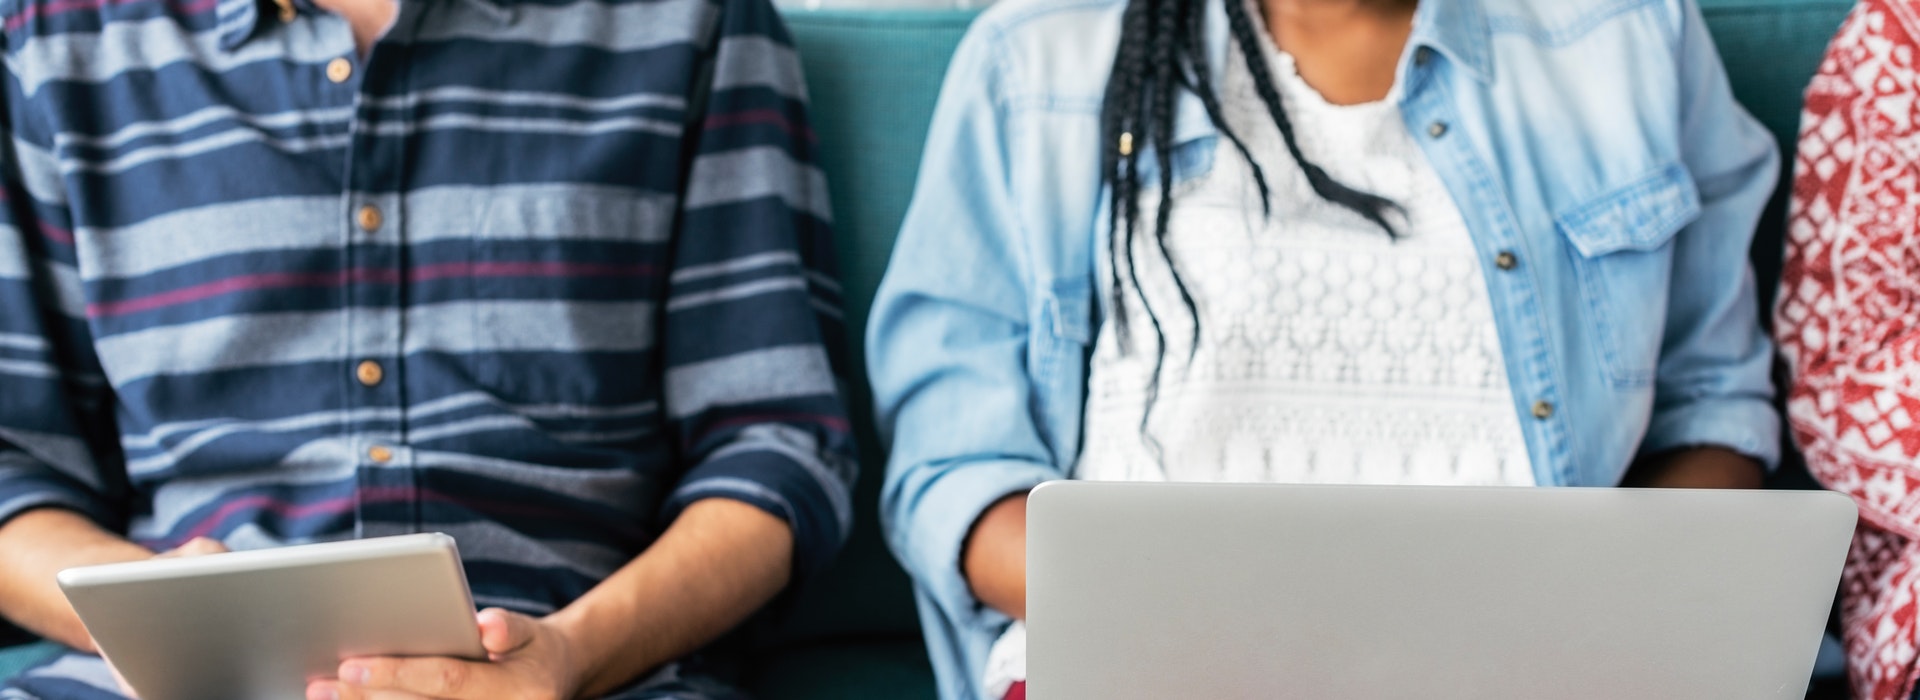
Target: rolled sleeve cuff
x=942, y=517
x=22, y=490
x=782, y=487
x=1748, y=426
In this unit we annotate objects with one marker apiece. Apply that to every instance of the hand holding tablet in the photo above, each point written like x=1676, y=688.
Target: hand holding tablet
x=260, y=624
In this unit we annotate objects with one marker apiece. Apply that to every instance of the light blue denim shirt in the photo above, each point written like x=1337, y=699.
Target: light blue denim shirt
x=1596, y=141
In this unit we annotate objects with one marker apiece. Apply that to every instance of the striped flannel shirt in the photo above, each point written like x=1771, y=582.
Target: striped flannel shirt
x=534, y=273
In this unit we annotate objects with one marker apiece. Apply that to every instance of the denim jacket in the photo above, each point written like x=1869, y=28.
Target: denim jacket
x=1610, y=182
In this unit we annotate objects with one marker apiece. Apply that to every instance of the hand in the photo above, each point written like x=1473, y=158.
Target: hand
x=1698, y=468
x=528, y=658
x=195, y=547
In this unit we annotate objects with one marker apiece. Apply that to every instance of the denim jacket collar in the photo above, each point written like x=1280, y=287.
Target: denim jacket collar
x=1456, y=29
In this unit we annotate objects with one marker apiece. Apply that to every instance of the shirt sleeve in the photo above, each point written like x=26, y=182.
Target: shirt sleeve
x=1714, y=382
x=1845, y=317
x=947, y=346
x=753, y=337
x=57, y=442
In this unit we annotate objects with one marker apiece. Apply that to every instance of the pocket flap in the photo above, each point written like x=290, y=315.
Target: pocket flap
x=1643, y=215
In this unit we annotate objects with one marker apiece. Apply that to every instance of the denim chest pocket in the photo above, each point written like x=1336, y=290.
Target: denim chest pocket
x=1622, y=253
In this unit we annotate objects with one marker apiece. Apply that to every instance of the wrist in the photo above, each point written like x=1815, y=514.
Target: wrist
x=1698, y=467
x=583, y=656
x=34, y=547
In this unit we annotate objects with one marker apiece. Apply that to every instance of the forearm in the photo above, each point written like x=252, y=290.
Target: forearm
x=1697, y=468
x=719, y=562
x=36, y=546
x=995, y=558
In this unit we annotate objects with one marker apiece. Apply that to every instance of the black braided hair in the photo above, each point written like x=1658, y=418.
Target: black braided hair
x=1163, y=51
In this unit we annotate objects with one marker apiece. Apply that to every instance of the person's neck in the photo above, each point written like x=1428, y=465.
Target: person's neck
x=369, y=18
x=1348, y=50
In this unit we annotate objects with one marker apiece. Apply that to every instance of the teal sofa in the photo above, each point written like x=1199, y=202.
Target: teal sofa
x=874, y=76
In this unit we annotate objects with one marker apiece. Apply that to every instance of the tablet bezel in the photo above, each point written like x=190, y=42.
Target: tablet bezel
x=410, y=586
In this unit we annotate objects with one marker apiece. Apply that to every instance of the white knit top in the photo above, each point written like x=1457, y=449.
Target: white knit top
x=1328, y=353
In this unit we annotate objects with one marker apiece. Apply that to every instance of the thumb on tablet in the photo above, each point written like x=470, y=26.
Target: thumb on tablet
x=195, y=547
x=504, y=632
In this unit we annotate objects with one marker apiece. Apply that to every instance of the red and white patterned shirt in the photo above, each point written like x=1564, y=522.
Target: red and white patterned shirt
x=1848, y=322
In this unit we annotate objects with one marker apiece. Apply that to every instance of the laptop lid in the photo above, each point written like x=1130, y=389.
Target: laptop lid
x=1328, y=592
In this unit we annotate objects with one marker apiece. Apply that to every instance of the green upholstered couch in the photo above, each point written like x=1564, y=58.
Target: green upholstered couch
x=874, y=76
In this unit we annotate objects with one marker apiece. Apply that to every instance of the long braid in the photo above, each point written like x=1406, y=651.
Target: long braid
x=1197, y=78
x=1371, y=206
x=1119, y=159
x=1162, y=51
x=1160, y=125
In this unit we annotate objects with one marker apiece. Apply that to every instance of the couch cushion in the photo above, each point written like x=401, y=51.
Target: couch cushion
x=873, y=77
x=13, y=660
x=895, y=669
x=1771, y=48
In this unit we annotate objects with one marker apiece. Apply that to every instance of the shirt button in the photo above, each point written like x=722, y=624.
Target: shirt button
x=339, y=70
x=1543, y=410
x=369, y=373
x=1506, y=260
x=1422, y=56
x=380, y=455
x=368, y=218
x=1437, y=130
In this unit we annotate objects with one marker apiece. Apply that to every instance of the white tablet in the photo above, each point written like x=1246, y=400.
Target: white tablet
x=260, y=624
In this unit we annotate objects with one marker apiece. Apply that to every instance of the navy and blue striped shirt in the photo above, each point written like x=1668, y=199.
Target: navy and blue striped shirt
x=534, y=273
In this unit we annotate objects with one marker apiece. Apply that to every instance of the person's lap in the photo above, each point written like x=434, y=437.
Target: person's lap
x=77, y=676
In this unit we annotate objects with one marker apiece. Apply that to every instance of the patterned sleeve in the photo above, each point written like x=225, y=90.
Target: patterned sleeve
x=56, y=430
x=1848, y=322
x=1848, y=319
x=753, y=336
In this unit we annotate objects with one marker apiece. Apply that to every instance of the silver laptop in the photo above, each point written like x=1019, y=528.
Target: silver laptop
x=1156, y=591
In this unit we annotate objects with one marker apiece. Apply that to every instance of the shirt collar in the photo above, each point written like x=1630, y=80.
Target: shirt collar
x=241, y=20
x=1457, y=29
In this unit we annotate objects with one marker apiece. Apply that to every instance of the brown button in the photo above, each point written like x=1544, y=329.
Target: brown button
x=339, y=70
x=369, y=373
x=380, y=455
x=1506, y=260
x=368, y=218
x=1543, y=410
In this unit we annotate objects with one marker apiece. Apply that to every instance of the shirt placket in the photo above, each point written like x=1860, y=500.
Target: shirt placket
x=375, y=223
x=1431, y=115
